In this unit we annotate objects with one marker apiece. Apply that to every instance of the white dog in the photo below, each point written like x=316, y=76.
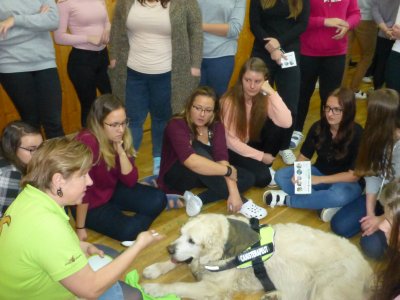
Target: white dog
x=307, y=263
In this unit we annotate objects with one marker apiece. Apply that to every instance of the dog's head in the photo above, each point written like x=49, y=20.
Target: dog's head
x=211, y=237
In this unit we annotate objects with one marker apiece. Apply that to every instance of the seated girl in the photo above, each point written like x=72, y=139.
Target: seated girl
x=247, y=111
x=379, y=162
x=194, y=154
x=335, y=139
x=18, y=142
x=114, y=174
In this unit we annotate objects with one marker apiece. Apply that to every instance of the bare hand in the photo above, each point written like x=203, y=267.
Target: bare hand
x=146, y=238
x=335, y=22
x=234, y=203
x=315, y=180
x=112, y=64
x=195, y=72
x=94, y=39
x=82, y=234
x=340, y=32
x=44, y=9
x=105, y=37
x=369, y=225
x=5, y=26
x=268, y=159
x=93, y=250
x=390, y=32
x=266, y=88
x=272, y=44
x=277, y=56
x=119, y=147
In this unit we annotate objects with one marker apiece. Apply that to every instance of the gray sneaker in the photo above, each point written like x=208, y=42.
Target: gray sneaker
x=328, y=213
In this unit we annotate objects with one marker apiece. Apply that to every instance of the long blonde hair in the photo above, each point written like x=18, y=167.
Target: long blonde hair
x=233, y=104
x=295, y=6
x=100, y=109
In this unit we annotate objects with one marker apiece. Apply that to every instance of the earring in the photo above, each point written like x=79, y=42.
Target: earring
x=60, y=192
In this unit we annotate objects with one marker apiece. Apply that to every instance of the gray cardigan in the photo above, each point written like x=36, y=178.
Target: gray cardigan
x=187, y=47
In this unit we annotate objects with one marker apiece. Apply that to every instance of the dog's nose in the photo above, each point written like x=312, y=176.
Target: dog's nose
x=171, y=249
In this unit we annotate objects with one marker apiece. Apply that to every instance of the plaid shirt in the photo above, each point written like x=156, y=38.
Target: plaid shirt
x=10, y=177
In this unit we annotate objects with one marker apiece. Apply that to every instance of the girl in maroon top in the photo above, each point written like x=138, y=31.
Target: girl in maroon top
x=114, y=174
x=194, y=154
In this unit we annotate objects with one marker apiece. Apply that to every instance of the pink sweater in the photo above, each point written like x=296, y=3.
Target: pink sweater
x=317, y=39
x=276, y=110
x=80, y=19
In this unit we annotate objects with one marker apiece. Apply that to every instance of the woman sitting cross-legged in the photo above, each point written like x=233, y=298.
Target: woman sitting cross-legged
x=335, y=138
x=194, y=154
x=248, y=111
x=115, y=188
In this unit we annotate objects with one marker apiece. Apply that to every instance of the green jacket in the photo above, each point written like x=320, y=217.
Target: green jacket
x=187, y=49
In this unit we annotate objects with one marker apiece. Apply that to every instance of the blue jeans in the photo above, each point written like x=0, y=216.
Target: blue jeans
x=346, y=223
x=109, y=219
x=322, y=195
x=148, y=93
x=217, y=72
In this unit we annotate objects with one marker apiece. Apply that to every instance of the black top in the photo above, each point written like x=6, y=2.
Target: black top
x=326, y=162
x=274, y=22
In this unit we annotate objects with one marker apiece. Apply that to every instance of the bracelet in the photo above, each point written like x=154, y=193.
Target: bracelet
x=228, y=171
x=80, y=227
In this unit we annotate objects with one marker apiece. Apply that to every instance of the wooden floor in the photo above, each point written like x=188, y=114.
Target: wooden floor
x=169, y=222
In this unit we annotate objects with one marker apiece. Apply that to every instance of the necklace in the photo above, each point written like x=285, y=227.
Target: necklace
x=199, y=132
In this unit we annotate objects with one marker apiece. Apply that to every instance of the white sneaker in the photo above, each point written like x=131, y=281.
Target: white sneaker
x=367, y=79
x=360, y=95
x=317, y=84
x=296, y=139
x=328, y=213
x=274, y=198
x=272, y=183
x=287, y=156
x=193, y=203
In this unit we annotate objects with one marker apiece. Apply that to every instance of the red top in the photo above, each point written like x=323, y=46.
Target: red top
x=104, y=179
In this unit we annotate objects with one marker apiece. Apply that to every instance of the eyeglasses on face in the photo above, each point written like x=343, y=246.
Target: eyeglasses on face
x=30, y=149
x=203, y=110
x=334, y=110
x=116, y=125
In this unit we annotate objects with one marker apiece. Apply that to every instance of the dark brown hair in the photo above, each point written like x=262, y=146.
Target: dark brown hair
x=11, y=141
x=164, y=3
x=233, y=101
x=295, y=6
x=345, y=132
x=376, y=148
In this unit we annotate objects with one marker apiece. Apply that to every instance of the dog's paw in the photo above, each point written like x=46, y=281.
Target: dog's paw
x=154, y=289
x=152, y=272
x=274, y=295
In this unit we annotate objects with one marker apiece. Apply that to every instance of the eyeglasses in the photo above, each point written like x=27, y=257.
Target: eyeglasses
x=204, y=110
x=334, y=110
x=30, y=150
x=116, y=125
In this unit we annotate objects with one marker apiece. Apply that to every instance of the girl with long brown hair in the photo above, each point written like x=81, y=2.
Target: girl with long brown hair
x=248, y=110
x=379, y=162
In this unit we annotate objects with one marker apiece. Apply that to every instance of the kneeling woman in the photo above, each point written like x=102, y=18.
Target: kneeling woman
x=115, y=188
x=335, y=138
x=194, y=154
x=248, y=110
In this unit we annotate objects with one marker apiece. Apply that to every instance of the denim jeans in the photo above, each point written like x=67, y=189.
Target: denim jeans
x=346, y=223
x=322, y=195
x=109, y=219
x=37, y=97
x=148, y=93
x=217, y=72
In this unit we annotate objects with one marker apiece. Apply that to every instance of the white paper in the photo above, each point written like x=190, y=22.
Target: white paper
x=290, y=60
x=302, y=176
x=96, y=262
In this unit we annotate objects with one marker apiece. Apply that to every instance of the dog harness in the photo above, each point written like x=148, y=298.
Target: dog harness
x=254, y=256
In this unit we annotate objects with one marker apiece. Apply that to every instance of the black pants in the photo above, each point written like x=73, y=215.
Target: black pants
x=382, y=52
x=329, y=70
x=88, y=72
x=37, y=97
x=181, y=178
x=288, y=85
x=392, y=71
x=267, y=144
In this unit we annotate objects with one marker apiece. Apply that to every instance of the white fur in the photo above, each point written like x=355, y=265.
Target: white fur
x=308, y=264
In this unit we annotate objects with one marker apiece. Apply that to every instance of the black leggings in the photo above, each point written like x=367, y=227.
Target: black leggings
x=88, y=72
x=181, y=178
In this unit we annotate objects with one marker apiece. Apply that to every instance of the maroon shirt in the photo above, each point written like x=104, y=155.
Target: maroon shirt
x=177, y=146
x=104, y=179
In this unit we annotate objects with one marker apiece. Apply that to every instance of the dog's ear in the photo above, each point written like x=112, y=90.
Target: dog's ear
x=241, y=236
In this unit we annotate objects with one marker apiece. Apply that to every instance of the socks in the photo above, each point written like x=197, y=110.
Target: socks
x=156, y=165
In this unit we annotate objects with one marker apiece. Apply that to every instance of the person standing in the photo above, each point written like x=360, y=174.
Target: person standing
x=85, y=26
x=277, y=26
x=222, y=24
x=28, y=70
x=155, y=51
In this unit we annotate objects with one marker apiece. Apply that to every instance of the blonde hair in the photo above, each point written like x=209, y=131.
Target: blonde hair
x=101, y=108
x=58, y=155
x=295, y=6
